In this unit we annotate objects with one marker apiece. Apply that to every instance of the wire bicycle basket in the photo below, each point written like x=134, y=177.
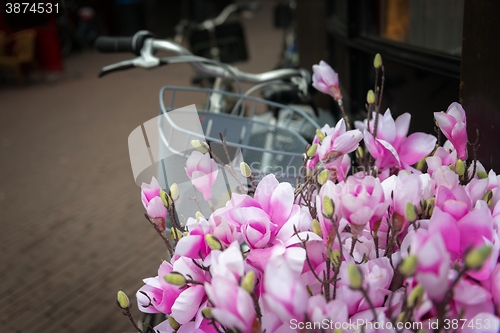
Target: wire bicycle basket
x=162, y=145
x=266, y=147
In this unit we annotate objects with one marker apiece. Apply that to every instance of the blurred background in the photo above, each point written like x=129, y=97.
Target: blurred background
x=72, y=231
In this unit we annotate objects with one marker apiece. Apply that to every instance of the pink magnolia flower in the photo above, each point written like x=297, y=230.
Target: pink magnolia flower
x=233, y=305
x=222, y=229
x=462, y=229
x=193, y=245
x=157, y=295
x=453, y=201
x=189, y=301
x=377, y=277
x=150, y=197
x=284, y=292
x=326, y=80
x=202, y=170
x=405, y=188
x=338, y=143
x=228, y=263
x=258, y=228
x=150, y=191
x=362, y=201
x=443, y=176
x=391, y=147
x=454, y=126
x=260, y=218
x=443, y=156
x=433, y=263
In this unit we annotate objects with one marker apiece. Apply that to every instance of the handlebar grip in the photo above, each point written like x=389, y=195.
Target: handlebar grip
x=132, y=44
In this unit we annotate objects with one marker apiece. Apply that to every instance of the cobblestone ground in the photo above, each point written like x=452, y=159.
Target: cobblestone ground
x=71, y=227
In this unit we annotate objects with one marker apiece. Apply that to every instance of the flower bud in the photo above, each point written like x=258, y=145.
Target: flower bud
x=177, y=279
x=176, y=233
x=460, y=167
x=200, y=146
x=359, y=152
x=410, y=212
x=355, y=276
x=175, y=325
x=245, y=170
x=488, y=196
x=199, y=216
x=335, y=257
x=328, y=207
x=481, y=174
x=323, y=176
x=409, y=265
x=213, y=242
x=475, y=259
x=401, y=317
x=123, y=300
x=174, y=191
x=312, y=150
x=316, y=228
x=320, y=135
x=167, y=200
x=423, y=205
x=370, y=97
x=248, y=282
x=377, y=61
x=207, y=313
x=430, y=206
x=416, y=296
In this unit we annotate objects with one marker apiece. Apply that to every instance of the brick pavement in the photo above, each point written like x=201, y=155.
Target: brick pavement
x=71, y=227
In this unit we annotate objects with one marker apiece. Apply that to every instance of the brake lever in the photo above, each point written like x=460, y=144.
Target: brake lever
x=122, y=65
x=145, y=60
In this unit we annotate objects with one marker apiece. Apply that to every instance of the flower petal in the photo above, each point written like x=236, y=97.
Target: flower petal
x=187, y=304
x=415, y=147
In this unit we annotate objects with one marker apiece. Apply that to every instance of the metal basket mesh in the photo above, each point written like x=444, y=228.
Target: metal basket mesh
x=265, y=146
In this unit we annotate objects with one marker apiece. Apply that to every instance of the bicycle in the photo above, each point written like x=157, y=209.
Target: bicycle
x=265, y=145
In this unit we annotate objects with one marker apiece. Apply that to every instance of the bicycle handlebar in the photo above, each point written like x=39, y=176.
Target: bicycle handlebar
x=147, y=45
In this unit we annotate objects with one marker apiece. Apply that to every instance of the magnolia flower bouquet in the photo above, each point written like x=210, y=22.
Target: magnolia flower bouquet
x=384, y=231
